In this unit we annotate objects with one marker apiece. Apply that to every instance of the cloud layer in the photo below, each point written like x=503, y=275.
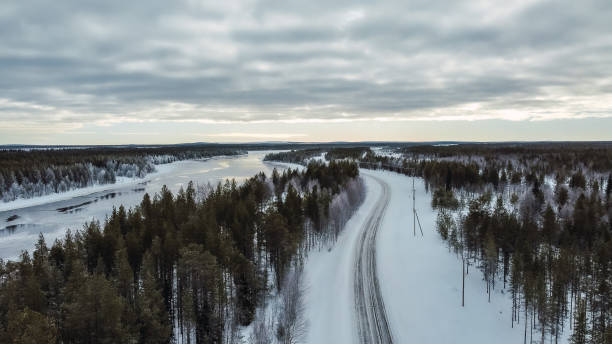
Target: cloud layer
x=68, y=63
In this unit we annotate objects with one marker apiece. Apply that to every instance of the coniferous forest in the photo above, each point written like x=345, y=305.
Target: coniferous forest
x=196, y=266
x=178, y=267
x=27, y=173
x=535, y=219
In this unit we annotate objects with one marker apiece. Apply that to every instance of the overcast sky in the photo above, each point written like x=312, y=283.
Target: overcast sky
x=87, y=72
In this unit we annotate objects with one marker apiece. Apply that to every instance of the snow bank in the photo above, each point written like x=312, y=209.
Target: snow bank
x=328, y=275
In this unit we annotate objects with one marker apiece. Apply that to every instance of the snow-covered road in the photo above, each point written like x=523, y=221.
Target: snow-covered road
x=419, y=279
x=370, y=307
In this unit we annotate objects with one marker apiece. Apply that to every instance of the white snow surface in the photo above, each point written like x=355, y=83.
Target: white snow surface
x=329, y=299
x=420, y=279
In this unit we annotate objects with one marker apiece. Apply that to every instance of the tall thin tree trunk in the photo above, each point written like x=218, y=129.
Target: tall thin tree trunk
x=525, y=336
x=531, y=327
x=462, y=281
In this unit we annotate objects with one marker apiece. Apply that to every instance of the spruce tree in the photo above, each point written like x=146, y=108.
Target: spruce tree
x=153, y=319
x=28, y=326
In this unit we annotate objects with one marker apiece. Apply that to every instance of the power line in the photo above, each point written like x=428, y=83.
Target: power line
x=415, y=216
x=405, y=170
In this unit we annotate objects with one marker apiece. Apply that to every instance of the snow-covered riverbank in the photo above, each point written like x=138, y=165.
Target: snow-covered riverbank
x=52, y=215
x=60, y=196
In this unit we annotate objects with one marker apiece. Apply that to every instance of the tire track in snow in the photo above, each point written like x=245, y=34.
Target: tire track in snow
x=372, y=320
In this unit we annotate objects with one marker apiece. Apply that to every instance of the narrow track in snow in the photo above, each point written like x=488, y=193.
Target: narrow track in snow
x=371, y=319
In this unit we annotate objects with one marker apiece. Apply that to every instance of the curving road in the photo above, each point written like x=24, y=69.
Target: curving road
x=370, y=308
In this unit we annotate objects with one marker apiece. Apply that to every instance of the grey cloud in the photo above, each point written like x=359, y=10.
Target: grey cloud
x=269, y=60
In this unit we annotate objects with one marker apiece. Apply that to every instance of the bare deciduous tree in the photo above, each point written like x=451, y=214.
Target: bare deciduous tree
x=291, y=322
x=263, y=328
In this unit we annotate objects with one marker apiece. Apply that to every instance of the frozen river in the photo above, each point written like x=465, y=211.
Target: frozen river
x=19, y=228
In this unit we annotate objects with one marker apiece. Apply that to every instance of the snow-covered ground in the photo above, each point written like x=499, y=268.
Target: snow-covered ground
x=386, y=151
x=60, y=196
x=328, y=278
x=420, y=279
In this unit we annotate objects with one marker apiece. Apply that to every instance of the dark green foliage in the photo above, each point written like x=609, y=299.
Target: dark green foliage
x=537, y=193
x=353, y=153
x=93, y=311
x=202, y=265
x=578, y=180
x=331, y=176
x=596, y=156
x=443, y=198
x=561, y=195
x=27, y=327
x=294, y=156
x=445, y=224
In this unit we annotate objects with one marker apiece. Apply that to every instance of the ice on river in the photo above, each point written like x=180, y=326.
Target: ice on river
x=52, y=215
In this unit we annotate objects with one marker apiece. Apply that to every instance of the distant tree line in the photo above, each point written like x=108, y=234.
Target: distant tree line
x=543, y=158
x=302, y=156
x=352, y=153
x=294, y=156
x=185, y=268
x=32, y=173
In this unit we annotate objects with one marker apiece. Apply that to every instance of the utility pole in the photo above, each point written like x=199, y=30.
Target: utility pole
x=462, y=280
x=415, y=216
x=462, y=272
x=413, y=208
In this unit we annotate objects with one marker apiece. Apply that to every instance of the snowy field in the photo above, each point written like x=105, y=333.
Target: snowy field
x=420, y=280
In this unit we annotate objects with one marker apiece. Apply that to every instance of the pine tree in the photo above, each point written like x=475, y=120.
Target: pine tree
x=124, y=276
x=561, y=195
x=94, y=310
x=153, y=318
x=578, y=180
x=491, y=254
x=199, y=271
x=28, y=326
x=580, y=324
x=550, y=226
x=279, y=244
